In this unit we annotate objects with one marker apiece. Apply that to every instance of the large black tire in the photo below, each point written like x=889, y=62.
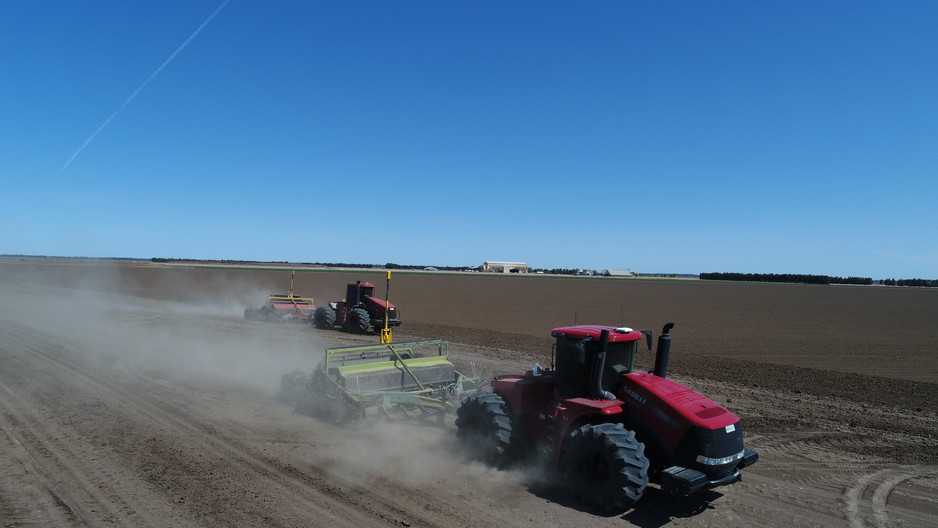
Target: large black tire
x=323, y=403
x=266, y=314
x=324, y=317
x=605, y=466
x=249, y=314
x=484, y=426
x=359, y=320
x=292, y=387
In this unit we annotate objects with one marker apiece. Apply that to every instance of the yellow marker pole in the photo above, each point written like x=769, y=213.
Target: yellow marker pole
x=386, y=336
x=290, y=294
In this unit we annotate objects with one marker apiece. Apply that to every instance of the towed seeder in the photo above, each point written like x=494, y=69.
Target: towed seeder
x=283, y=307
x=409, y=378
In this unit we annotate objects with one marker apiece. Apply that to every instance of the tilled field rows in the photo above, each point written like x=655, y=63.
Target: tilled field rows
x=128, y=410
x=63, y=430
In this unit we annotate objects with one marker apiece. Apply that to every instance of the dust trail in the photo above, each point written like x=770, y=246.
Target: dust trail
x=144, y=84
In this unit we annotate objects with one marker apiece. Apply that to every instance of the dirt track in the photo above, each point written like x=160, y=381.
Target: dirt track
x=139, y=397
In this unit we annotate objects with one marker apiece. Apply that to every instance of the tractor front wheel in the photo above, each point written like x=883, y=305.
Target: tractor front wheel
x=605, y=466
x=324, y=317
x=483, y=425
x=358, y=319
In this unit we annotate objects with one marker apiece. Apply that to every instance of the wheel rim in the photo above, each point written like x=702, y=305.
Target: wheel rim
x=596, y=468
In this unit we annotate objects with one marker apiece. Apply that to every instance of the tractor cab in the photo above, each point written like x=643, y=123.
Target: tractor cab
x=578, y=358
x=356, y=292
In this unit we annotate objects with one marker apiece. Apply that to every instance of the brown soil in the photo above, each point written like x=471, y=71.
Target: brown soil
x=136, y=395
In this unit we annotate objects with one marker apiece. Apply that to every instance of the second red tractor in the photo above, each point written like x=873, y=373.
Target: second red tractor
x=359, y=311
x=609, y=428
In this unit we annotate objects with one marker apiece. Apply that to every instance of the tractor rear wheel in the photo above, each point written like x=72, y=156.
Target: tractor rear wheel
x=483, y=425
x=324, y=317
x=605, y=466
x=358, y=319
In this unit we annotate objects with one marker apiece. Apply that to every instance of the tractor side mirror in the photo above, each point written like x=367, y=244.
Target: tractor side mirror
x=647, y=338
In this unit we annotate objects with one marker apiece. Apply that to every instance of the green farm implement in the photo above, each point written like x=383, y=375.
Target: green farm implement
x=409, y=378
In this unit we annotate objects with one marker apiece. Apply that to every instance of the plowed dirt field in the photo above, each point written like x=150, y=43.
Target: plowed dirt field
x=137, y=395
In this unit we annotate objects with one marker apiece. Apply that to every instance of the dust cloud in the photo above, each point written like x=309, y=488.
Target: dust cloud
x=206, y=340
x=206, y=343
x=414, y=455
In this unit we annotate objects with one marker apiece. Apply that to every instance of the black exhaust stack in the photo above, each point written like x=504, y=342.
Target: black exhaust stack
x=663, y=352
x=599, y=363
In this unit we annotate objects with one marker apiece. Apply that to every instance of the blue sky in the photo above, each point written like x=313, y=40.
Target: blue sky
x=687, y=137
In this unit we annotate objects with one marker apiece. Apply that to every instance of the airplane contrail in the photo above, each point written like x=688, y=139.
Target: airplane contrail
x=144, y=84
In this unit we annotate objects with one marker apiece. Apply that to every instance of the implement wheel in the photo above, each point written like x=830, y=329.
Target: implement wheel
x=605, y=466
x=324, y=317
x=484, y=427
x=292, y=387
x=266, y=314
x=320, y=400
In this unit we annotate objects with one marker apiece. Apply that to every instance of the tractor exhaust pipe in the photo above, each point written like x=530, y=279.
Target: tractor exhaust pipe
x=599, y=363
x=663, y=352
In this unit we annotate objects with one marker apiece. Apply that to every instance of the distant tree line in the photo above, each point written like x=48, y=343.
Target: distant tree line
x=59, y=257
x=743, y=277
x=392, y=265
x=925, y=283
x=339, y=265
x=786, y=277
x=559, y=271
x=389, y=265
x=863, y=281
x=164, y=260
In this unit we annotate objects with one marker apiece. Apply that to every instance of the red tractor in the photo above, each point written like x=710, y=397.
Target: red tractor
x=359, y=311
x=609, y=429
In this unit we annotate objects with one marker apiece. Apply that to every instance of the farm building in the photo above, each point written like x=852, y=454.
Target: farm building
x=505, y=267
x=617, y=273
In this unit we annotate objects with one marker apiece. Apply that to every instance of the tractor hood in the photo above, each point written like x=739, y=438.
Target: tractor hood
x=699, y=434
x=379, y=302
x=677, y=405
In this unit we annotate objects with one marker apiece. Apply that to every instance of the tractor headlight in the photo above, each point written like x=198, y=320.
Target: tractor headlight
x=709, y=461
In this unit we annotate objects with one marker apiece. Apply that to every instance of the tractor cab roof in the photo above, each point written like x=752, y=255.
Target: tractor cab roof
x=616, y=334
